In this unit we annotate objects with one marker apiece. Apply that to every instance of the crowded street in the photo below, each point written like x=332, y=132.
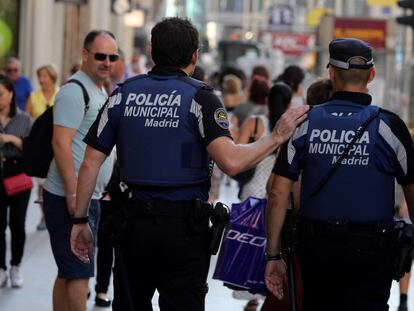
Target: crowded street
x=206, y=155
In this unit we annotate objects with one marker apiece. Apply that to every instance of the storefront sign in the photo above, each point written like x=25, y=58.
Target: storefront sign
x=72, y=1
x=373, y=31
x=382, y=2
x=290, y=43
x=280, y=14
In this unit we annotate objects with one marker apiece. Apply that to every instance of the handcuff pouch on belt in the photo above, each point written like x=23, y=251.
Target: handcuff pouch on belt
x=220, y=219
x=405, y=242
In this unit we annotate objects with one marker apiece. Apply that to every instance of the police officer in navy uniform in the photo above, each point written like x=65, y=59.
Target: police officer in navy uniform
x=166, y=126
x=346, y=232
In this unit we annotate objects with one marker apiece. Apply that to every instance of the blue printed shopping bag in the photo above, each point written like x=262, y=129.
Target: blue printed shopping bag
x=241, y=261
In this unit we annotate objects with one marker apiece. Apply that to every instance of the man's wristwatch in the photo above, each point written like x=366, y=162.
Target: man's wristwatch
x=79, y=220
x=274, y=257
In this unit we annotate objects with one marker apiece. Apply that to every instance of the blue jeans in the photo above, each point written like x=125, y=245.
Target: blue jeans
x=59, y=226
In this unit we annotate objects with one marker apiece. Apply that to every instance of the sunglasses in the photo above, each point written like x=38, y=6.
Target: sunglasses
x=102, y=56
x=12, y=70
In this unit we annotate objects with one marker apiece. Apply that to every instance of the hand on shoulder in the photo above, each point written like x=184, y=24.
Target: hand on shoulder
x=288, y=122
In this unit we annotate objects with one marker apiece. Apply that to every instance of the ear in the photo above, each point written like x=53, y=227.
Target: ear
x=371, y=74
x=194, y=58
x=84, y=55
x=331, y=73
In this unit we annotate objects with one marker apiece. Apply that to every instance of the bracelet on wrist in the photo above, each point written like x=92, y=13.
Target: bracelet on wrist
x=274, y=257
x=79, y=220
x=73, y=195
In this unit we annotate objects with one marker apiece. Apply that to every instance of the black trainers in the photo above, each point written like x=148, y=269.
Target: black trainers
x=104, y=303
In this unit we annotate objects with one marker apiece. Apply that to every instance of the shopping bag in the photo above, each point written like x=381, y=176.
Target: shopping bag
x=241, y=260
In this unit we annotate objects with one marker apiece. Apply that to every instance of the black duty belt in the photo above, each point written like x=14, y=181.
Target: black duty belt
x=178, y=209
x=344, y=227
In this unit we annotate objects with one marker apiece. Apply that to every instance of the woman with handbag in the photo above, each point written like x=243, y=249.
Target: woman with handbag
x=15, y=187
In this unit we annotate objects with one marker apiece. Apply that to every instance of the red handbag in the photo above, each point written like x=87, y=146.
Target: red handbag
x=17, y=183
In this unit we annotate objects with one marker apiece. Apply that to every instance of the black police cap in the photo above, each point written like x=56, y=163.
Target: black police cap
x=342, y=51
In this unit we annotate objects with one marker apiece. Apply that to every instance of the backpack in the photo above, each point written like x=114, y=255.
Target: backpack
x=37, y=146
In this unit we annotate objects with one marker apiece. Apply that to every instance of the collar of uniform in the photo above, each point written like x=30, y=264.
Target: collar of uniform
x=167, y=71
x=356, y=97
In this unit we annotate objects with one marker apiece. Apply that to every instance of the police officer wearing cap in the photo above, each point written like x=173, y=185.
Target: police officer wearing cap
x=166, y=127
x=346, y=232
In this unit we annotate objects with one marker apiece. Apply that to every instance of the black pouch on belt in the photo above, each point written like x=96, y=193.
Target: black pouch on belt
x=405, y=242
x=198, y=217
x=220, y=220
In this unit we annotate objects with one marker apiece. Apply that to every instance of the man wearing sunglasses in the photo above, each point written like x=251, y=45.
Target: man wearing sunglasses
x=22, y=84
x=166, y=126
x=72, y=117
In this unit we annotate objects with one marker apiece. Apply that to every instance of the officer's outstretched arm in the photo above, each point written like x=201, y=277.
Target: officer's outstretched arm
x=233, y=158
x=275, y=216
x=409, y=198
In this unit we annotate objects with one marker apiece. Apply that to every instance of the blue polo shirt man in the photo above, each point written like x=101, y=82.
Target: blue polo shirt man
x=22, y=85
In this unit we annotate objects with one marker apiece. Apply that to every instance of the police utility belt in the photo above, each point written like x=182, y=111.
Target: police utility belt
x=196, y=214
x=175, y=209
x=314, y=228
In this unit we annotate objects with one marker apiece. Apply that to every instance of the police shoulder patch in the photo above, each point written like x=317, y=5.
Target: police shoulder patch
x=221, y=118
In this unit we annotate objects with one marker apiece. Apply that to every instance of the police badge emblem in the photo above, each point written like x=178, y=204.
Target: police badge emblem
x=221, y=118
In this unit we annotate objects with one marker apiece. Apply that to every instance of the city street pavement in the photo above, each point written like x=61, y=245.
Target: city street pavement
x=39, y=271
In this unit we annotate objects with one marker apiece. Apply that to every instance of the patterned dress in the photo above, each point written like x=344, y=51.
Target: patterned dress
x=256, y=187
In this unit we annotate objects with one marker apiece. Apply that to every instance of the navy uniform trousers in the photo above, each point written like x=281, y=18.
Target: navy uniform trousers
x=346, y=269
x=163, y=253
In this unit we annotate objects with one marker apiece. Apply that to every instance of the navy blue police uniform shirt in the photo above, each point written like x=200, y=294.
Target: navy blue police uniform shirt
x=161, y=124
x=362, y=187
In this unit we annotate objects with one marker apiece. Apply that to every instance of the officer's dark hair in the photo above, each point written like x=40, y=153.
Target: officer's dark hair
x=319, y=92
x=292, y=75
x=173, y=42
x=353, y=76
x=91, y=36
x=8, y=85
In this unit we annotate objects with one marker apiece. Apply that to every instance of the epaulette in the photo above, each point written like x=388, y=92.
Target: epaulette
x=138, y=77
x=386, y=111
x=196, y=83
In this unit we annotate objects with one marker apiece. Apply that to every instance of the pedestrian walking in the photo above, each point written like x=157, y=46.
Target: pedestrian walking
x=165, y=126
x=14, y=125
x=73, y=114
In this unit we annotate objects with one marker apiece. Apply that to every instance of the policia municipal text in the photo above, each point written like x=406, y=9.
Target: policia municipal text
x=347, y=239
x=166, y=126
